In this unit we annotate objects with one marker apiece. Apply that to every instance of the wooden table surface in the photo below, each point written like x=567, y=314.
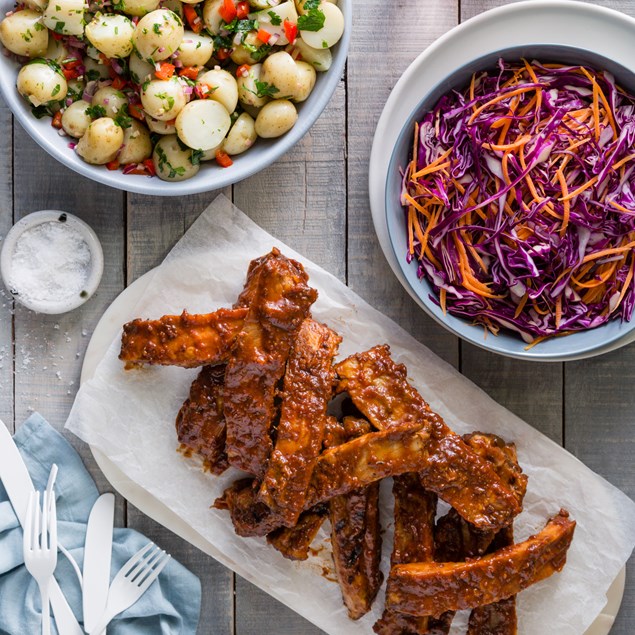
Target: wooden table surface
x=315, y=199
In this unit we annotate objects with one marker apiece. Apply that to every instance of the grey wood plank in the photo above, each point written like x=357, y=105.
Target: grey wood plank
x=49, y=349
x=300, y=199
x=6, y=302
x=154, y=226
x=382, y=47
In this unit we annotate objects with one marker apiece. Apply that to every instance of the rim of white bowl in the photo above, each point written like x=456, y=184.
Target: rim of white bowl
x=261, y=156
x=88, y=234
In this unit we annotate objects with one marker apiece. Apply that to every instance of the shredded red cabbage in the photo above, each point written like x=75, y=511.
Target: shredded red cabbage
x=520, y=201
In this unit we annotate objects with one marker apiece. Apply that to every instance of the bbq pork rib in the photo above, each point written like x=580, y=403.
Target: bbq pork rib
x=182, y=340
x=308, y=387
x=434, y=588
x=200, y=424
x=294, y=542
x=355, y=531
x=449, y=467
x=279, y=301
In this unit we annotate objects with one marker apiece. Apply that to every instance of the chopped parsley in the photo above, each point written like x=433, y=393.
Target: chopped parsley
x=311, y=4
x=41, y=111
x=265, y=90
x=257, y=52
x=156, y=28
x=122, y=118
x=95, y=112
x=197, y=157
x=166, y=98
x=164, y=163
x=92, y=75
x=276, y=20
x=241, y=26
x=39, y=26
x=313, y=20
x=59, y=27
x=56, y=90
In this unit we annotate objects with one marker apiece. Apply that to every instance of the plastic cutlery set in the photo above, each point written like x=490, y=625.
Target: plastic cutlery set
x=102, y=600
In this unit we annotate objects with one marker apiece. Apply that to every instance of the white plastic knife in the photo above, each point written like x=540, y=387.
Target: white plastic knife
x=16, y=480
x=97, y=552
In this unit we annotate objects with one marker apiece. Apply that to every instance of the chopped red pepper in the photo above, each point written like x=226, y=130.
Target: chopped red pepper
x=222, y=54
x=202, y=91
x=72, y=63
x=291, y=31
x=228, y=11
x=118, y=83
x=242, y=10
x=193, y=18
x=104, y=60
x=56, y=36
x=243, y=70
x=263, y=36
x=149, y=163
x=113, y=165
x=70, y=73
x=191, y=72
x=56, y=122
x=136, y=112
x=166, y=70
x=223, y=159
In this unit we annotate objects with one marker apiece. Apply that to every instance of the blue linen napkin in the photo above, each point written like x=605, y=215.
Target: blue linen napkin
x=171, y=605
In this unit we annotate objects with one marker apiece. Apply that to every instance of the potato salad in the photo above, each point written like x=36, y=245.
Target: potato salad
x=157, y=87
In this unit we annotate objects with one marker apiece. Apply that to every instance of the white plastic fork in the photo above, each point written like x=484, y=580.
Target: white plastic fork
x=131, y=582
x=40, y=548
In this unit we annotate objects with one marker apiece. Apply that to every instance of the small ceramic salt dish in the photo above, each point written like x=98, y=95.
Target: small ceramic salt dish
x=51, y=262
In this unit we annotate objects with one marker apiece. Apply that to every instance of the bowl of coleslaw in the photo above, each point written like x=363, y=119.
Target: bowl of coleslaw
x=509, y=194
x=170, y=98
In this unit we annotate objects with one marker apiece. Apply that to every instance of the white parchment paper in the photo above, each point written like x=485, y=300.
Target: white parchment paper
x=129, y=416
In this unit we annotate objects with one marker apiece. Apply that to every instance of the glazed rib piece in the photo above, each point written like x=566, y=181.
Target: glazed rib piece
x=360, y=462
x=294, y=542
x=355, y=532
x=308, y=387
x=200, y=424
x=498, y=618
x=415, y=509
x=182, y=340
x=380, y=389
x=278, y=305
x=433, y=588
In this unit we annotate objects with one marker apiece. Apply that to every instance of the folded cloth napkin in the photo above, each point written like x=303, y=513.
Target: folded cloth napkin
x=170, y=606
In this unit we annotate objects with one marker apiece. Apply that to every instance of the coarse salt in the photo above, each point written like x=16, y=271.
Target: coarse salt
x=51, y=262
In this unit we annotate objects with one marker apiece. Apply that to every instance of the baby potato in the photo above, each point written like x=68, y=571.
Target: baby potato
x=111, y=100
x=140, y=70
x=101, y=142
x=163, y=99
x=305, y=81
x=284, y=11
x=211, y=15
x=158, y=35
x=138, y=7
x=203, y=124
x=241, y=136
x=111, y=34
x=332, y=30
x=65, y=16
x=40, y=83
x=280, y=71
x=95, y=70
x=75, y=119
x=320, y=59
x=56, y=50
x=24, y=34
x=247, y=90
x=223, y=87
x=171, y=162
x=137, y=145
x=176, y=6
x=276, y=118
x=244, y=53
x=160, y=127
x=195, y=50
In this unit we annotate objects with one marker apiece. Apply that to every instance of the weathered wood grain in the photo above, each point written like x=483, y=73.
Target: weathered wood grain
x=382, y=47
x=6, y=302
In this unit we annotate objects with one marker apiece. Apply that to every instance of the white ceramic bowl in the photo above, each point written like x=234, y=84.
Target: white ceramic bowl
x=556, y=30
x=8, y=265
x=210, y=177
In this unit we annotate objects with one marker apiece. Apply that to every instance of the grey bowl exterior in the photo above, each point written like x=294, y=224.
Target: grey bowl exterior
x=210, y=177
x=574, y=346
